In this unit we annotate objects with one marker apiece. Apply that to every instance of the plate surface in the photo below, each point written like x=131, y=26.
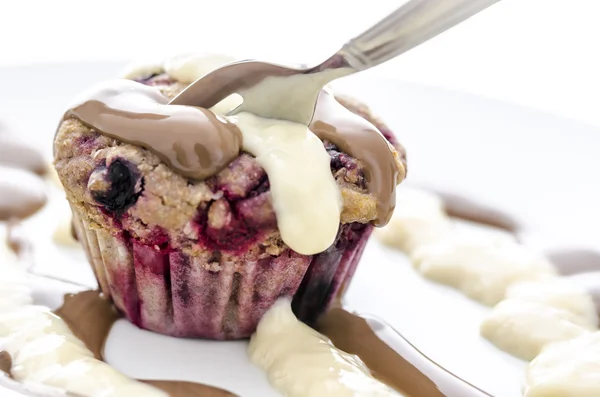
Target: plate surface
x=539, y=167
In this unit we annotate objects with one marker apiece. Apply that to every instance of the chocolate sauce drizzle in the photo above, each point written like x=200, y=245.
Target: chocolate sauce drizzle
x=406, y=369
x=5, y=362
x=361, y=139
x=567, y=262
x=198, y=144
x=191, y=140
x=401, y=366
x=90, y=317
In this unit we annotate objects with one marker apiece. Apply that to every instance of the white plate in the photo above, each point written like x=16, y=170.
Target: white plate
x=537, y=166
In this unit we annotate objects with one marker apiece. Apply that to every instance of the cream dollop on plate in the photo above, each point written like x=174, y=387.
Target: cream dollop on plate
x=559, y=293
x=524, y=328
x=44, y=351
x=566, y=369
x=538, y=313
x=481, y=266
x=419, y=219
x=300, y=362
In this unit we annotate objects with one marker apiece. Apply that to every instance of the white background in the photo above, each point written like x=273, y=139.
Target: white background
x=540, y=53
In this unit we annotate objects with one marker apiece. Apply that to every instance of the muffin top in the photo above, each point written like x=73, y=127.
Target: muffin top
x=132, y=174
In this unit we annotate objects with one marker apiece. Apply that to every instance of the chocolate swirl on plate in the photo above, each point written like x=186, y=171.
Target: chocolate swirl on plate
x=5, y=362
x=90, y=317
x=402, y=366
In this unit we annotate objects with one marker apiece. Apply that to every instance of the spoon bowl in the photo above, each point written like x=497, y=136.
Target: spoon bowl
x=281, y=92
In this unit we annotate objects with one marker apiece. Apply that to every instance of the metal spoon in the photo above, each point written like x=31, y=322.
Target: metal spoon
x=281, y=92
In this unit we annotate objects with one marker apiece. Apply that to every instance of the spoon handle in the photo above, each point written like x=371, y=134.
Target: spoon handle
x=410, y=25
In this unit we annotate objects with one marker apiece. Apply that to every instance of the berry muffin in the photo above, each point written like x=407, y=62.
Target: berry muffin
x=195, y=223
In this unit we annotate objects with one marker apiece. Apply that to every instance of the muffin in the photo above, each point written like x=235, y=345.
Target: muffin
x=205, y=251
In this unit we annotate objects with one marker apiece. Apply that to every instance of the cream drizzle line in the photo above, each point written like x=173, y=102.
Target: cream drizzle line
x=306, y=197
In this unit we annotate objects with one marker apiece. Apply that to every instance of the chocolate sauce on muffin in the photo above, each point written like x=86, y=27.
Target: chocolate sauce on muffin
x=354, y=135
x=191, y=140
x=199, y=144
